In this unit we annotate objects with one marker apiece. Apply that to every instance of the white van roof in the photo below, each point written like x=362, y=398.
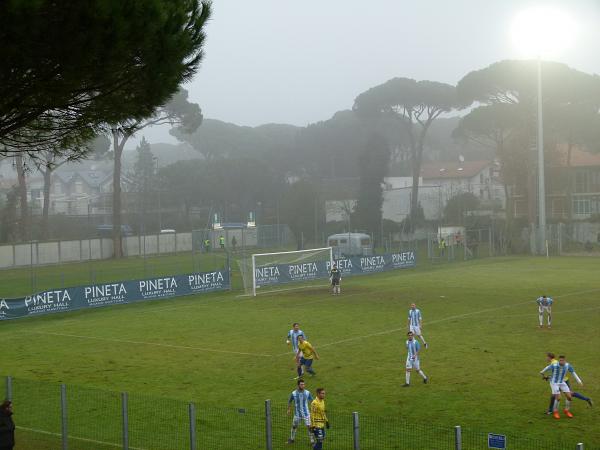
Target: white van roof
x=351, y=235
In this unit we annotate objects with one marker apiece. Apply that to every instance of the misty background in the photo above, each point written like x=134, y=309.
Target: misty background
x=281, y=61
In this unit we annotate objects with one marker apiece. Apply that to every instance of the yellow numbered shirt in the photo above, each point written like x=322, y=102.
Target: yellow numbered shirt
x=317, y=413
x=307, y=350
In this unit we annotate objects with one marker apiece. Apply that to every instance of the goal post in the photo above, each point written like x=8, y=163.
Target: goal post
x=264, y=271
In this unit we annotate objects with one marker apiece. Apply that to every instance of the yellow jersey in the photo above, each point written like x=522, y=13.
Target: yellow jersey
x=317, y=413
x=555, y=361
x=307, y=350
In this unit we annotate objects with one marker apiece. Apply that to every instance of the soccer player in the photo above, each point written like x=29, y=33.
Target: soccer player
x=415, y=322
x=551, y=359
x=292, y=336
x=305, y=356
x=302, y=399
x=559, y=370
x=412, y=359
x=545, y=305
x=318, y=419
x=335, y=276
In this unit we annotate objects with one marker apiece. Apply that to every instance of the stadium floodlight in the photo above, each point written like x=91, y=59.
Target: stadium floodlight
x=265, y=272
x=542, y=32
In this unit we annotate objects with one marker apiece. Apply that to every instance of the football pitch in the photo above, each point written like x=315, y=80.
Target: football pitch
x=225, y=350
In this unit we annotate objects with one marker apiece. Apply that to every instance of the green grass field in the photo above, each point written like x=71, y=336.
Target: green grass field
x=227, y=354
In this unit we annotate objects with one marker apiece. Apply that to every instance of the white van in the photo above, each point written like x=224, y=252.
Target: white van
x=350, y=244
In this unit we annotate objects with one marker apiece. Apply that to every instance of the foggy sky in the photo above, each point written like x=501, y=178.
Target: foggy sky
x=300, y=61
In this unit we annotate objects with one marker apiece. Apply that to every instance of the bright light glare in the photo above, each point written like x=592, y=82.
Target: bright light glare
x=543, y=32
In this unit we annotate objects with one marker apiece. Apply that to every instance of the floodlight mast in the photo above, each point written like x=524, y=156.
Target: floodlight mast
x=543, y=243
x=542, y=31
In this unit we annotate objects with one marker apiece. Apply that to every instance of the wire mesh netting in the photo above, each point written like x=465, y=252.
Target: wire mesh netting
x=93, y=418
x=227, y=428
x=98, y=419
x=385, y=433
x=38, y=412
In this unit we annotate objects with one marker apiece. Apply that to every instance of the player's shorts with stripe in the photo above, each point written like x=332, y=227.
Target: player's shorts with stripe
x=415, y=329
x=298, y=419
x=557, y=388
x=335, y=282
x=543, y=309
x=413, y=363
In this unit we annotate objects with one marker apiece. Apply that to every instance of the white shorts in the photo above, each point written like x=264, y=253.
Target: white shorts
x=547, y=309
x=415, y=329
x=298, y=419
x=557, y=388
x=413, y=363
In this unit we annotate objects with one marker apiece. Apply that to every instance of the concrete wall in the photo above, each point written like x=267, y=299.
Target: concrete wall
x=55, y=252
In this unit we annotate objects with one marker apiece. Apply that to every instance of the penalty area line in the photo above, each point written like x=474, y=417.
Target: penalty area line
x=77, y=438
x=445, y=319
x=285, y=290
x=156, y=344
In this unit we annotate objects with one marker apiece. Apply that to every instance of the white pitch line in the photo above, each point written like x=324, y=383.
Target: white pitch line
x=593, y=308
x=379, y=333
x=297, y=288
x=94, y=441
x=123, y=341
x=445, y=319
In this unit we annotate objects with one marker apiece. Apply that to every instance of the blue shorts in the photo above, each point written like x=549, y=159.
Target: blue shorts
x=319, y=433
x=306, y=362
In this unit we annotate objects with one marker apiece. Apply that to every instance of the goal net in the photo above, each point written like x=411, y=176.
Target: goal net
x=265, y=272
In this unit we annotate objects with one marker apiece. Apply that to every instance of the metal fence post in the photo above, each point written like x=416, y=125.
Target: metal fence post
x=192, y=415
x=457, y=438
x=580, y=446
x=356, y=431
x=125, y=416
x=9, y=388
x=63, y=409
x=268, y=425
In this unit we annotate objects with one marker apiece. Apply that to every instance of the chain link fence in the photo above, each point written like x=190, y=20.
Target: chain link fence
x=52, y=416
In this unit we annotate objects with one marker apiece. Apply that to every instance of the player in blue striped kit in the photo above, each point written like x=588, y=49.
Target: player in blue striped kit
x=301, y=398
x=558, y=373
x=415, y=322
x=412, y=359
x=551, y=359
x=292, y=337
x=545, y=306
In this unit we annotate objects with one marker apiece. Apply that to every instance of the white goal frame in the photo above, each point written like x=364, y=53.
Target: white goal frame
x=254, y=255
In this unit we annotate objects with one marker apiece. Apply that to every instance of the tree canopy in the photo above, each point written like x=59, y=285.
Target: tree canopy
x=374, y=163
x=505, y=119
x=418, y=104
x=56, y=79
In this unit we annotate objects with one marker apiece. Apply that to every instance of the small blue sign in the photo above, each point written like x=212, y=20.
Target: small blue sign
x=497, y=441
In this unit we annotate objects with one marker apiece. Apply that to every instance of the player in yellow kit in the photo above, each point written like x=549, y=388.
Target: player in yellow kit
x=305, y=356
x=318, y=419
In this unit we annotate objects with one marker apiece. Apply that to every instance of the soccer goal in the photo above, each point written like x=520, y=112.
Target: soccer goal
x=265, y=272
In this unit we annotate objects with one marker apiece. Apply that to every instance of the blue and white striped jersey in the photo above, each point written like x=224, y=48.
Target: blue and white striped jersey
x=293, y=337
x=558, y=372
x=413, y=347
x=541, y=301
x=302, y=400
x=414, y=315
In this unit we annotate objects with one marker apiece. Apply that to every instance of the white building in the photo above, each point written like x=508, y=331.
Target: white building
x=439, y=182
